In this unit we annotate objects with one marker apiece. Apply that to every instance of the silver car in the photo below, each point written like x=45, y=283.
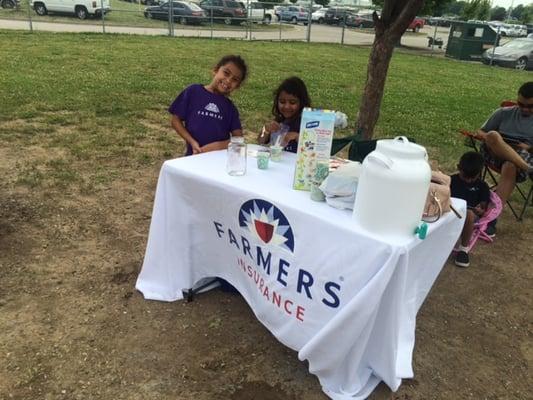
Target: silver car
x=517, y=53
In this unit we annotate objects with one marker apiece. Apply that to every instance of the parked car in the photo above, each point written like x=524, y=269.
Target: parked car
x=294, y=14
x=9, y=3
x=441, y=21
x=319, y=15
x=416, y=24
x=517, y=53
x=501, y=28
x=183, y=12
x=277, y=11
x=229, y=11
x=335, y=15
x=359, y=20
x=81, y=8
x=520, y=30
x=147, y=2
x=257, y=12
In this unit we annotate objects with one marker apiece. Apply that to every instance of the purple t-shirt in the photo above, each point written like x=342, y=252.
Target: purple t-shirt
x=208, y=117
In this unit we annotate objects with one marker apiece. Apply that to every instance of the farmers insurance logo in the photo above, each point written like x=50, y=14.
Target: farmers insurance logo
x=264, y=250
x=267, y=223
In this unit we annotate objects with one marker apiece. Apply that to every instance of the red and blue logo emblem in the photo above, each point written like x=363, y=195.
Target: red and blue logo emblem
x=266, y=223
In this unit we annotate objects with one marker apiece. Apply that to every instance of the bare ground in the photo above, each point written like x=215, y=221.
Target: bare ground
x=72, y=325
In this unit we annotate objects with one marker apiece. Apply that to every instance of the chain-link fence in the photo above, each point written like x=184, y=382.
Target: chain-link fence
x=244, y=20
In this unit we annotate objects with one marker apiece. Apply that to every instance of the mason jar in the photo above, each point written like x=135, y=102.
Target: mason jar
x=236, y=163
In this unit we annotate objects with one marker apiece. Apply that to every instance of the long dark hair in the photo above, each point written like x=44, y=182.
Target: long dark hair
x=295, y=87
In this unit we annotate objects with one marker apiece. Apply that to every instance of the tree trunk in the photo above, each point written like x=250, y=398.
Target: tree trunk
x=378, y=65
x=396, y=16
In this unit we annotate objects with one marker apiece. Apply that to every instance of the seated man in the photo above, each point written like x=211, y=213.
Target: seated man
x=508, y=143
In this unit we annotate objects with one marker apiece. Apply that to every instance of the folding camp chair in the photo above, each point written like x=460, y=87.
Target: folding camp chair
x=473, y=141
x=493, y=211
x=359, y=148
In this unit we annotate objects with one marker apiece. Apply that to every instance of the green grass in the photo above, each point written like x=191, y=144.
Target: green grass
x=92, y=100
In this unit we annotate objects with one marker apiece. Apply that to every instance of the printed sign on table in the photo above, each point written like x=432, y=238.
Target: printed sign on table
x=314, y=145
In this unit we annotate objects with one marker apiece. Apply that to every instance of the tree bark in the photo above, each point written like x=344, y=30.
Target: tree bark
x=378, y=66
x=395, y=17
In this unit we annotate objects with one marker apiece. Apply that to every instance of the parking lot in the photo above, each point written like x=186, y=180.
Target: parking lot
x=254, y=24
x=317, y=32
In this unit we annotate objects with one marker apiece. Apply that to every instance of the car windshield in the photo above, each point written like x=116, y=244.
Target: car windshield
x=519, y=44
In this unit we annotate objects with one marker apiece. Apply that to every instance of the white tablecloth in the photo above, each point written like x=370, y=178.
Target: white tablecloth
x=346, y=301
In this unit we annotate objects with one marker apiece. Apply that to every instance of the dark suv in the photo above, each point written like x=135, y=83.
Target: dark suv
x=229, y=11
x=335, y=16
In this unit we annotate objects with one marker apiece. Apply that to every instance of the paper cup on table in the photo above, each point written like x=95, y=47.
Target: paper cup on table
x=262, y=159
x=275, y=151
x=316, y=193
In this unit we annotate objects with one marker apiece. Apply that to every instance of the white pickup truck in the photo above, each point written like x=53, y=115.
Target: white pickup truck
x=81, y=8
x=258, y=13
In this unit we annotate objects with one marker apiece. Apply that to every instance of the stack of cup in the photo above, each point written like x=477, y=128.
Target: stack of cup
x=263, y=156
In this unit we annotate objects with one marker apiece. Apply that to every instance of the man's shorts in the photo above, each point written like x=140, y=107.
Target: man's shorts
x=496, y=163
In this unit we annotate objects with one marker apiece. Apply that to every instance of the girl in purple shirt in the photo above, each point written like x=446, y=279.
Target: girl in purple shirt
x=290, y=98
x=204, y=116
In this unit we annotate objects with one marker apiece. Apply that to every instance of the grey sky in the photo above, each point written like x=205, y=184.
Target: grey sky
x=507, y=3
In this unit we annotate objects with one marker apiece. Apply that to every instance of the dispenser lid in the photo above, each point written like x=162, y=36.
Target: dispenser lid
x=401, y=147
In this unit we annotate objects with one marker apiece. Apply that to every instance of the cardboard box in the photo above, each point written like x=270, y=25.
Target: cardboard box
x=314, y=145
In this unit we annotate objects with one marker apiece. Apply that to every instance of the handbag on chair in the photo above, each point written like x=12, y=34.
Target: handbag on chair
x=438, y=200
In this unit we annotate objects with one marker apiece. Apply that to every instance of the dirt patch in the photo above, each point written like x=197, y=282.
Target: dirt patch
x=73, y=326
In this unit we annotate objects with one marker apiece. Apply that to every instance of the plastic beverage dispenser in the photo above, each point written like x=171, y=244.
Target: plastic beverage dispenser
x=392, y=189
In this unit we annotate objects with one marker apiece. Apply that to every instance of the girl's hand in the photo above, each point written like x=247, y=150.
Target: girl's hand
x=195, y=147
x=272, y=126
x=289, y=137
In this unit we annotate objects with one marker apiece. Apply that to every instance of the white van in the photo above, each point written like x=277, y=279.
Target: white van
x=81, y=8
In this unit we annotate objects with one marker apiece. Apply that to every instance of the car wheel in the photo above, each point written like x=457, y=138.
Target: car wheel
x=321, y=20
x=8, y=4
x=227, y=21
x=416, y=29
x=521, y=63
x=294, y=20
x=183, y=21
x=81, y=12
x=40, y=9
x=267, y=19
x=148, y=15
